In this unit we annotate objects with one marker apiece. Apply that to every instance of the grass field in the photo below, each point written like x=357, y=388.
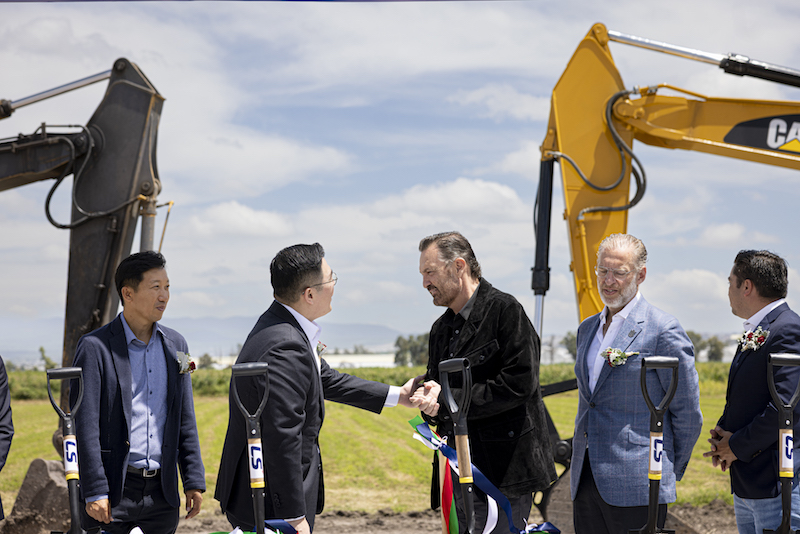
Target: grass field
x=371, y=462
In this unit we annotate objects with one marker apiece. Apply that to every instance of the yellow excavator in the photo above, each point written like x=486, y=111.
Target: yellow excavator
x=593, y=122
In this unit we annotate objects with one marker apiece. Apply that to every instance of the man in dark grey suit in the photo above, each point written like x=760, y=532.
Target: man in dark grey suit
x=287, y=337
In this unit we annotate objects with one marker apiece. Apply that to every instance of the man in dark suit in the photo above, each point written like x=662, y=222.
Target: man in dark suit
x=745, y=438
x=506, y=420
x=136, y=423
x=286, y=336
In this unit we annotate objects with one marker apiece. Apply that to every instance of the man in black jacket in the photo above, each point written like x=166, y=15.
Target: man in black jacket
x=506, y=420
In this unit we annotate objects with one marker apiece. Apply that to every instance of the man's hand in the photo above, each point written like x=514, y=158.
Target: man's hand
x=194, y=499
x=99, y=510
x=301, y=526
x=721, y=454
x=416, y=393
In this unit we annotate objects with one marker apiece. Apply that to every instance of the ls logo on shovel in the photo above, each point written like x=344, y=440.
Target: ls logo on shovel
x=256, y=463
x=657, y=453
x=787, y=456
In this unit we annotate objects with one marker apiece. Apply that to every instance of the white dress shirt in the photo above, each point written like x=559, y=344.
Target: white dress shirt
x=602, y=342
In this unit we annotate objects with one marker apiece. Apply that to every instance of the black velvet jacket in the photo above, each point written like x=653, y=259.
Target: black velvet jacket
x=508, y=434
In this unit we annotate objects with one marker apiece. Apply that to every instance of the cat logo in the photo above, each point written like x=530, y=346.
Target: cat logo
x=780, y=133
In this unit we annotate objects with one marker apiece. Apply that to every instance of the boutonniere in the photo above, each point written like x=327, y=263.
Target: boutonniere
x=185, y=363
x=616, y=357
x=753, y=340
x=321, y=348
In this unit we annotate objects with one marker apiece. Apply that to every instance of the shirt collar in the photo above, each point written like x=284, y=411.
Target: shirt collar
x=310, y=328
x=467, y=309
x=129, y=335
x=756, y=319
x=624, y=312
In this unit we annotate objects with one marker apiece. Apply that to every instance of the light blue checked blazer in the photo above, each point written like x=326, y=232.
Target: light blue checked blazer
x=614, y=419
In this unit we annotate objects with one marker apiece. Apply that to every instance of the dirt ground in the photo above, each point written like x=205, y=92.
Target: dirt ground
x=714, y=518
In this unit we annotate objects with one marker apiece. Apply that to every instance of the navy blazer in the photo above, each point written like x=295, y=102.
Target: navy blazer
x=749, y=412
x=614, y=419
x=290, y=422
x=102, y=422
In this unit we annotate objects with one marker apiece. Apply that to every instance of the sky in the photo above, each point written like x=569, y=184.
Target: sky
x=367, y=126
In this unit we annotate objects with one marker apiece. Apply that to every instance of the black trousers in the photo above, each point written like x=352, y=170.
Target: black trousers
x=520, y=510
x=142, y=505
x=592, y=515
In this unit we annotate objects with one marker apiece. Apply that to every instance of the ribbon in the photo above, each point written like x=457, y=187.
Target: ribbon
x=433, y=441
x=274, y=526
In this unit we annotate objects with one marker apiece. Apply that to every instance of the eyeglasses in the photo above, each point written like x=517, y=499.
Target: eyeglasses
x=618, y=274
x=333, y=279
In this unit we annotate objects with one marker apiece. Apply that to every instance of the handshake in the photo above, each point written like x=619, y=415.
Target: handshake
x=422, y=395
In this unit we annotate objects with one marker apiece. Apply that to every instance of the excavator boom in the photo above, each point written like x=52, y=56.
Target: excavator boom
x=113, y=163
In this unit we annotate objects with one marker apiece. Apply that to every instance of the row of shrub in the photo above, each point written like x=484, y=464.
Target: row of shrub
x=32, y=385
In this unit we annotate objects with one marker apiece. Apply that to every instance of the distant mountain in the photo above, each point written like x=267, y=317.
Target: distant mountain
x=21, y=338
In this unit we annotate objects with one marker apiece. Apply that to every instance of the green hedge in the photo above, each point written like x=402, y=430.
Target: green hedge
x=32, y=385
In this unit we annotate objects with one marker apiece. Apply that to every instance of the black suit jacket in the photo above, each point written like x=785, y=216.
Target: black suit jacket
x=508, y=433
x=749, y=411
x=6, y=424
x=290, y=423
x=103, y=420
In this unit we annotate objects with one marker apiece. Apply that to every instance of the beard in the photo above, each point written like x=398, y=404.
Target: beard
x=624, y=296
x=445, y=293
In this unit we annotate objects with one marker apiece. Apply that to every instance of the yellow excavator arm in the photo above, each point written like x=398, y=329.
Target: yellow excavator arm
x=594, y=120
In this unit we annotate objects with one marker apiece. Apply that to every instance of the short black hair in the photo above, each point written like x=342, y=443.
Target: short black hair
x=453, y=245
x=130, y=271
x=767, y=271
x=295, y=268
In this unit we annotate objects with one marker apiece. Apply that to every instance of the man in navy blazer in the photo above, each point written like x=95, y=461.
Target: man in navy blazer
x=286, y=336
x=611, y=445
x=136, y=423
x=745, y=439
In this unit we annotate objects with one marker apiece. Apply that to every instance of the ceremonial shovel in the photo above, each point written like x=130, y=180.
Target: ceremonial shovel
x=70, y=443
x=785, y=439
x=254, y=453
x=656, y=437
x=459, y=411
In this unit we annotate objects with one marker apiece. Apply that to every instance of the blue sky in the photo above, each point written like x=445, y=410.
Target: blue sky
x=368, y=126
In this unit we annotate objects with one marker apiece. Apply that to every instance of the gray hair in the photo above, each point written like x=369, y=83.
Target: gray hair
x=625, y=242
x=453, y=245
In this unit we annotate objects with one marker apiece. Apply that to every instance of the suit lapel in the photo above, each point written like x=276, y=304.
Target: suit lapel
x=171, y=357
x=628, y=332
x=581, y=371
x=741, y=355
x=122, y=366
x=280, y=311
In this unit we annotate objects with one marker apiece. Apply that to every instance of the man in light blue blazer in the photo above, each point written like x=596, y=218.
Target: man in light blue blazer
x=609, y=482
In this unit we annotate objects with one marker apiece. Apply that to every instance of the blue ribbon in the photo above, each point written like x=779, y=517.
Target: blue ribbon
x=484, y=484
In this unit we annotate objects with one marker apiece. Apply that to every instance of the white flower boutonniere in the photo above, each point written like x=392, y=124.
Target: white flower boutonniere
x=185, y=363
x=753, y=340
x=616, y=357
x=321, y=348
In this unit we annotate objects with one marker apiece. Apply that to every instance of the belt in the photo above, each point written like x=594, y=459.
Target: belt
x=144, y=473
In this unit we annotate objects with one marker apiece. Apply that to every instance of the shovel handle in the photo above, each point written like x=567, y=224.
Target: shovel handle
x=659, y=362
x=782, y=360
x=458, y=408
x=250, y=369
x=65, y=373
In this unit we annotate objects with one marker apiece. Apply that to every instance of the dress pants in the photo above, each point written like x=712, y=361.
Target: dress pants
x=592, y=515
x=142, y=505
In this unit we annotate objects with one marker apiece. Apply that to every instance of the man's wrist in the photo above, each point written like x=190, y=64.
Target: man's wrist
x=95, y=498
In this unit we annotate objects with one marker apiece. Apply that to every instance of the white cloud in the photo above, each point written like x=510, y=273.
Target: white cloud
x=233, y=218
x=504, y=101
